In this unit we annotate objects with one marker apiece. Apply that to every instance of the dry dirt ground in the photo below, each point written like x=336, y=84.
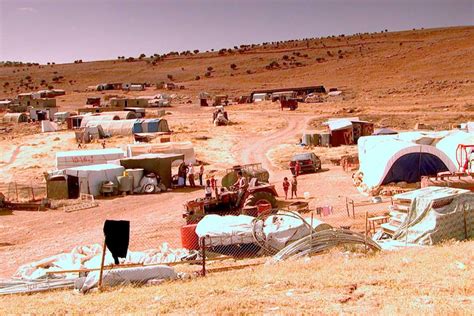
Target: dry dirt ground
x=392, y=79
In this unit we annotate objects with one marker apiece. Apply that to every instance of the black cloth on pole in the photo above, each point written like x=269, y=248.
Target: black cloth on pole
x=117, y=237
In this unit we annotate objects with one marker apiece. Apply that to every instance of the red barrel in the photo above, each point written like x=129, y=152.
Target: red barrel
x=189, y=238
x=263, y=208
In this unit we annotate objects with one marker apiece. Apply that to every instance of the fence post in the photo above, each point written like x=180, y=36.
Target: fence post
x=102, y=265
x=16, y=191
x=366, y=224
x=203, y=249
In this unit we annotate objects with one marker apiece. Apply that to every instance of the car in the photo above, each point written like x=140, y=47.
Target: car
x=309, y=162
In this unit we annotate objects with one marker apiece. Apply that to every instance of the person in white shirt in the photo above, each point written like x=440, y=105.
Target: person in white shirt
x=241, y=185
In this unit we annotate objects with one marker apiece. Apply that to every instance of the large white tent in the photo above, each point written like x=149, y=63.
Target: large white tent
x=90, y=178
x=77, y=158
x=407, y=156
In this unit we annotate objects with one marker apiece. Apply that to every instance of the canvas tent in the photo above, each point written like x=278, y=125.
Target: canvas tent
x=159, y=164
x=407, y=156
x=77, y=158
x=96, y=118
x=15, y=118
x=122, y=115
x=384, y=131
x=90, y=178
x=185, y=148
x=130, y=127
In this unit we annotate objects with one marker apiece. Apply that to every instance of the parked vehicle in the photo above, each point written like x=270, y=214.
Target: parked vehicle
x=308, y=162
x=289, y=103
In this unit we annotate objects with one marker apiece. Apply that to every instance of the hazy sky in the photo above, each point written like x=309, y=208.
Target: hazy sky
x=65, y=30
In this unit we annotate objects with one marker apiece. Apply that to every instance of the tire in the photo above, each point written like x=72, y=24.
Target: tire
x=257, y=197
x=149, y=188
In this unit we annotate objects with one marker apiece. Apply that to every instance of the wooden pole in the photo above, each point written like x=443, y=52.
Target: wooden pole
x=203, y=247
x=366, y=224
x=104, y=248
x=16, y=191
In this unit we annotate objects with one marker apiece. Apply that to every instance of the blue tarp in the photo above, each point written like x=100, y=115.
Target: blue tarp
x=411, y=167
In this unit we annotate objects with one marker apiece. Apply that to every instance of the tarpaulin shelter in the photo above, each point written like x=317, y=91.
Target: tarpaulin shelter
x=159, y=164
x=15, y=118
x=77, y=158
x=185, y=148
x=122, y=115
x=341, y=132
x=129, y=127
x=96, y=118
x=90, y=178
x=436, y=214
x=404, y=157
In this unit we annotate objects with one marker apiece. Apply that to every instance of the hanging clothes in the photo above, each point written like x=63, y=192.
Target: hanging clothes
x=117, y=237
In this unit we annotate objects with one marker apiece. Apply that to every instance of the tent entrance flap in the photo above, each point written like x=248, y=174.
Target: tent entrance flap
x=411, y=167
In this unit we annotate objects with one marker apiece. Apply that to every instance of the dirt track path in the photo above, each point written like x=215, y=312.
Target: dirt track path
x=254, y=149
x=13, y=157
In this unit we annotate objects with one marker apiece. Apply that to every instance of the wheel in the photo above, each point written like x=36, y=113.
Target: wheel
x=260, y=197
x=149, y=188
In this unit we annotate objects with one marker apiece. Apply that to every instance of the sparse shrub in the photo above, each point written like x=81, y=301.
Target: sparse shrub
x=210, y=69
x=285, y=57
x=170, y=77
x=249, y=72
x=207, y=74
x=141, y=56
x=233, y=66
x=196, y=51
x=197, y=78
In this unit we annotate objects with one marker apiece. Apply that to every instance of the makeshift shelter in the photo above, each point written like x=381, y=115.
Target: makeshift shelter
x=74, y=121
x=341, y=132
x=185, y=148
x=48, y=126
x=122, y=115
x=77, y=158
x=129, y=127
x=159, y=164
x=96, y=118
x=434, y=215
x=90, y=178
x=384, y=131
x=57, y=187
x=15, y=118
x=403, y=157
x=61, y=116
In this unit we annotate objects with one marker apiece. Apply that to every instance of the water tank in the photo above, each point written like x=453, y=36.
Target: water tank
x=136, y=174
x=125, y=183
x=189, y=238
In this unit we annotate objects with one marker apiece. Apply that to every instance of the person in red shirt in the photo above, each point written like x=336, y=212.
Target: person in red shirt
x=297, y=168
x=286, y=186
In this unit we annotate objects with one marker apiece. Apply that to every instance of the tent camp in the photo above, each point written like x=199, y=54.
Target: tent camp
x=403, y=157
x=129, y=127
x=89, y=179
x=77, y=158
x=122, y=115
x=159, y=164
x=185, y=148
x=15, y=118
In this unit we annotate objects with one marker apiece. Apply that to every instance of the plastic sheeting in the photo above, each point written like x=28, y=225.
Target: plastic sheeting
x=78, y=158
x=92, y=177
x=427, y=224
x=279, y=229
x=185, y=148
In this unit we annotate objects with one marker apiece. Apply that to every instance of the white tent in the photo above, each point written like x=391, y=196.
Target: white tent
x=77, y=158
x=185, y=148
x=98, y=119
x=115, y=127
x=91, y=177
x=48, y=126
x=393, y=158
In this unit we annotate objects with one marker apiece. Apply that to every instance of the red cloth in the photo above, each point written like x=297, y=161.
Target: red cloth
x=286, y=186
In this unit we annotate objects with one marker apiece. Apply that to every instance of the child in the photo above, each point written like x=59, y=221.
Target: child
x=286, y=186
x=294, y=187
x=208, y=189
x=213, y=183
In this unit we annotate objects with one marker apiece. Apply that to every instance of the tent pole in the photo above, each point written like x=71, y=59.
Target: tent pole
x=102, y=265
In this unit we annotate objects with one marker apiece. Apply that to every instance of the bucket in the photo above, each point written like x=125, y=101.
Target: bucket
x=264, y=208
x=189, y=238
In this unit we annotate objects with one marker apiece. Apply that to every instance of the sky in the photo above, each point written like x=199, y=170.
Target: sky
x=62, y=31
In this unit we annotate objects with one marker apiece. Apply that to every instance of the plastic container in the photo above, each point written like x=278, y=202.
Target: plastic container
x=189, y=238
x=264, y=208
x=136, y=174
x=125, y=183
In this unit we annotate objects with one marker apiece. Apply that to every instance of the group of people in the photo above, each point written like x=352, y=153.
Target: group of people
x=293, y=183
x=188, y=172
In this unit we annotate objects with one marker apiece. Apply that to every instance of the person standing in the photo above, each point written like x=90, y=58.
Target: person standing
x=286, y=186
x=191, y=176
x=213, y=183
x=297, y=168
x=294, y=187
x=208, y=189
x=241, y=186
x=182, y=172
x=201, y=172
